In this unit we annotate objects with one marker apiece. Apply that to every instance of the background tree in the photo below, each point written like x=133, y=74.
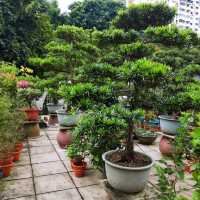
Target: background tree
x=91, y=14
x=25, y=29
x=54, y=12
x=141, y=16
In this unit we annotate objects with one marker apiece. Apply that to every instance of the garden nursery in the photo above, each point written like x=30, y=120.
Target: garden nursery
x=99, y=103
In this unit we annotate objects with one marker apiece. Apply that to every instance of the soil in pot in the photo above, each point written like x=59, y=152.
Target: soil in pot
x=135, y=160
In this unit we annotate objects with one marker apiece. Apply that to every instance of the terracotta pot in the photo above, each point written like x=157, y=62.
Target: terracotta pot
x=64, y=138
x=32, y=114
x=19, y=146
x=16, y=155
x=165, y=146
x=6, y=169
x=79, y=170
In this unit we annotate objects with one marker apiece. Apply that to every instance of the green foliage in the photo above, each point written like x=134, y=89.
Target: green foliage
x=143, y=71
x=95, y=141
x=25, y=29
x=114, y=36
x=71, y=34
x=172, y=36
x=135, y=51
x=98, y=73
x=141, y=16
x=91, y=14
x=71, y=49
x=87, y=95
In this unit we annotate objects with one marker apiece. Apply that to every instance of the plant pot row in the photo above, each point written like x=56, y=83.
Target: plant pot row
x=7, y=159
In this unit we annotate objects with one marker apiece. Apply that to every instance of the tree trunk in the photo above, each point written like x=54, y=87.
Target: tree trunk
x=129, y=147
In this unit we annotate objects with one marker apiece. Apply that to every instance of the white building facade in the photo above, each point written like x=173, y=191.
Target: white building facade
x=188, y=12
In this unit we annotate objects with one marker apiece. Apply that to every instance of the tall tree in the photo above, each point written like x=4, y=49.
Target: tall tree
x=140, y=16
x=25, y=29
x=94, y=13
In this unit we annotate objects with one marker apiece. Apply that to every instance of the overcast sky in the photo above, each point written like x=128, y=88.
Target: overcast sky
x=63, y=4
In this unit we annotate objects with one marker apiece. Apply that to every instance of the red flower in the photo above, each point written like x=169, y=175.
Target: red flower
x=23, y=84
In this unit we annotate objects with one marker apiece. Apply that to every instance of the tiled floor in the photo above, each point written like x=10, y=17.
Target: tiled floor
x=44, y=173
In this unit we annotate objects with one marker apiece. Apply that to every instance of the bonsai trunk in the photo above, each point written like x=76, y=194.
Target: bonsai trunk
x=130, y=143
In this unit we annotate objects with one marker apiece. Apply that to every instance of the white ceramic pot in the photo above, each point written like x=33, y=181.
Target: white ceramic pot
x=126, y=179
x=169, y=125
x=52, y=108
x=65, y=119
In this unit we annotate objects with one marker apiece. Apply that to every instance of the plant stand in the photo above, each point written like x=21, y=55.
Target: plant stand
x=31, y=128
x=53, y=119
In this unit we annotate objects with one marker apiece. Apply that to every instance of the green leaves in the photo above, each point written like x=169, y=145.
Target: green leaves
x=171, y=36
x=144, y=69
x=141, y=16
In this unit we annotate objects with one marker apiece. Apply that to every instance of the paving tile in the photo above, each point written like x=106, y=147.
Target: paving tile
x=95, y=192
x=24, y=159
x=26, y=198
x=54, y=142
x=71, y=194
x=39, y=143
x=46, y=157
x=41, y=150
x=53, y=183
x=20, y=172
x=91, y=177
x=154, y=154
x=48, y=168
x=52, y=137
x=18, y=188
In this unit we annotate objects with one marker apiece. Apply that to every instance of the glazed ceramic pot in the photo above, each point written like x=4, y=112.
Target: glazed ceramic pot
x=64, y=138
x=165, y=146
x=65, y=119
x=168, y=124
x=126, y=179
x=52, y=108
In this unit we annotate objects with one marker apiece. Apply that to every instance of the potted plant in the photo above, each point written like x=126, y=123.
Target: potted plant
x=138, y=79
x=30, y=94
x=145, y=136
x=78, y=164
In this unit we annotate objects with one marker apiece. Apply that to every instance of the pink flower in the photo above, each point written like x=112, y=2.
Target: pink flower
x=23, y=84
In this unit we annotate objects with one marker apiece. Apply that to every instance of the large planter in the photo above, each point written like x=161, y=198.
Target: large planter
x=64, y=138
x=52, y=108
x=126, y=179
x=148, y=140
x=168, y=124
x=65, y=119
x=32, y=114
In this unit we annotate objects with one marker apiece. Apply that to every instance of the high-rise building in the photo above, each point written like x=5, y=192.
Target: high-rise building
x=188, y=12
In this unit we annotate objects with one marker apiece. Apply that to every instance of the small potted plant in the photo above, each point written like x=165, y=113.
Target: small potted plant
x=145, y=136
x=30, y=94
x=77, y=161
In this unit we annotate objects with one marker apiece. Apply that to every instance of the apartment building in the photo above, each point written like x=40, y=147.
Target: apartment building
x=188, y=12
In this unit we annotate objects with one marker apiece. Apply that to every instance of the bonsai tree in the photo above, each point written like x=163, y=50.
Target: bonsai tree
x=138, y=79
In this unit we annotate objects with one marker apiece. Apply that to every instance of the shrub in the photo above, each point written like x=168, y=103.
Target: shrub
x=141, y=16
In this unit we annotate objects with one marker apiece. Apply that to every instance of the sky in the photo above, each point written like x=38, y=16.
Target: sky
x=63, y=4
